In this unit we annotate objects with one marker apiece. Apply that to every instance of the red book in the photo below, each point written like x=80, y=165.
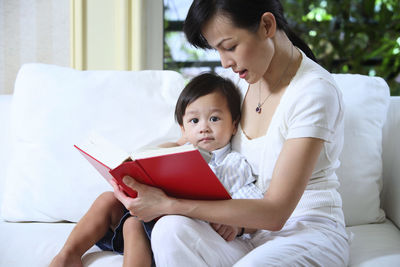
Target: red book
x=181, y=172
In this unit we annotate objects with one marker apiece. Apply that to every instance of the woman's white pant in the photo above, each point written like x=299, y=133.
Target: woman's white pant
x=181, y=241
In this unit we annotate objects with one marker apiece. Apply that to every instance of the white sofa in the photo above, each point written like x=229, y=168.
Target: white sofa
x=45, y=185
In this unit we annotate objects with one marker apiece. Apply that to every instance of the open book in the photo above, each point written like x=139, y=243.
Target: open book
x=180, y=171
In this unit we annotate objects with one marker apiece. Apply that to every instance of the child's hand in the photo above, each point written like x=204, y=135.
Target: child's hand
x=227, y=232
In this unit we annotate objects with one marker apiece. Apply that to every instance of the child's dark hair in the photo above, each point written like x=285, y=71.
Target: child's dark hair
x=205, y=84
x=245, y=14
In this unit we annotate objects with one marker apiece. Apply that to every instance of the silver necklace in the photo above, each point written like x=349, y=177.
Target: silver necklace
x=259, y=105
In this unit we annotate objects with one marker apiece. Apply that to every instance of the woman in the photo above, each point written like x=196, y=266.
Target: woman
x=291, y=132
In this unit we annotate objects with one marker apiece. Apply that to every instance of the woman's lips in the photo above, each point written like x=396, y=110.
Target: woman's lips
x=243, y=74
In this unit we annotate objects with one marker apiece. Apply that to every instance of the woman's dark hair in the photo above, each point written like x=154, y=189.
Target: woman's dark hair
x=205, y=84
x=244, y=14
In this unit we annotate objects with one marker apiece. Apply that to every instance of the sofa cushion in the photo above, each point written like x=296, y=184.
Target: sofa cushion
x=54, y=108
x=375, y=245
x=366, y=102
x=40, y=242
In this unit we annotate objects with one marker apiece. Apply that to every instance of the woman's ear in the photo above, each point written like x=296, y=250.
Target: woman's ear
x=267, y=25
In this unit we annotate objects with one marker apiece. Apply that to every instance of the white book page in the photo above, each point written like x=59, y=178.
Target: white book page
x=103, y=150
x=159, y=151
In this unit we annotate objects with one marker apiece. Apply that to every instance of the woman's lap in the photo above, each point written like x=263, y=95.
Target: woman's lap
x=302, y=243
x=181, y=241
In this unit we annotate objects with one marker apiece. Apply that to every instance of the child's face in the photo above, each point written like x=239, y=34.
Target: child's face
x=208, y=123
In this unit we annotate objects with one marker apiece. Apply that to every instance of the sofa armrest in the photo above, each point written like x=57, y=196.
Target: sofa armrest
x=391, y=164
x=5, y=105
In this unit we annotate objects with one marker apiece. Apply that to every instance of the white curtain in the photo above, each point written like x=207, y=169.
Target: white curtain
x=32, y=31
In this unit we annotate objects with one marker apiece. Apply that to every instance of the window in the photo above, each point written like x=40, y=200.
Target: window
x=343, y=39
x=179, y=55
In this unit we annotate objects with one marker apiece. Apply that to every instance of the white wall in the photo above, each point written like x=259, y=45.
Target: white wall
x=117, y=34
x=154, y=43
x=32, y=31
x=84, y=34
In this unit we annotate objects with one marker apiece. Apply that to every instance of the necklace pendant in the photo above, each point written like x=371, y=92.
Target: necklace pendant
x=258, y=108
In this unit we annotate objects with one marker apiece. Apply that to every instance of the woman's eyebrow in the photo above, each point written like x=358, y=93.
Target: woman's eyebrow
x=223, y=40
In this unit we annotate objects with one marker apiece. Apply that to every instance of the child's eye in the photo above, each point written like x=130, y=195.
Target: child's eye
x=214, y=119
x=194, y=120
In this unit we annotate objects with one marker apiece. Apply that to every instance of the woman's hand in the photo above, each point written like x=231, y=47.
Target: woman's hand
x=227, y=232
x=149, y=204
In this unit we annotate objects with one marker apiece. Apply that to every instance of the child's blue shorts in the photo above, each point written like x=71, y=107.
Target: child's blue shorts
x=114, y=241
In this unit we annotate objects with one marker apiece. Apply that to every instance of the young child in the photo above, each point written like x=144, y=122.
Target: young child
x=208, y=112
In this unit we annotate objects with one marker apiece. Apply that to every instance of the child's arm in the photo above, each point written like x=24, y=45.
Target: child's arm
x=227, y=232
x=241, y=184
x=249, y=191
x=168, y=144
x=181, y=141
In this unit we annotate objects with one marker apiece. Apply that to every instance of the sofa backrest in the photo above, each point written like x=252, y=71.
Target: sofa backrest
x=5, y=105
x=366, y=101
x=53, y=196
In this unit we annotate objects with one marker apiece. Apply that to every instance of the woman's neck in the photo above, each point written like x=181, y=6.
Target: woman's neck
x=283, y=66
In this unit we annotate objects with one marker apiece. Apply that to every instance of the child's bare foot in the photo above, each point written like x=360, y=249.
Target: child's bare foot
x=64, y=260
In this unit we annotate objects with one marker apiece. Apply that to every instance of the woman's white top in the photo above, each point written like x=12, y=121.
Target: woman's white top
x=311, y=106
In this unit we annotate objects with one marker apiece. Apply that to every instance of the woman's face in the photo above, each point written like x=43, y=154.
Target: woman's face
x=248, y=53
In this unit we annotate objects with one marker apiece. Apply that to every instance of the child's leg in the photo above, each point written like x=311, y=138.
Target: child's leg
x=105, y=212
x=137, y=251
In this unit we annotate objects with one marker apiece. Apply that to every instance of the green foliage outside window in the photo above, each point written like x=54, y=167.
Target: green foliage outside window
x=351, y=36
x=347, y=36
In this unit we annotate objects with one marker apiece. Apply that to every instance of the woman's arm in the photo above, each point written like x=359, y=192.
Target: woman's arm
x=289, y=179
